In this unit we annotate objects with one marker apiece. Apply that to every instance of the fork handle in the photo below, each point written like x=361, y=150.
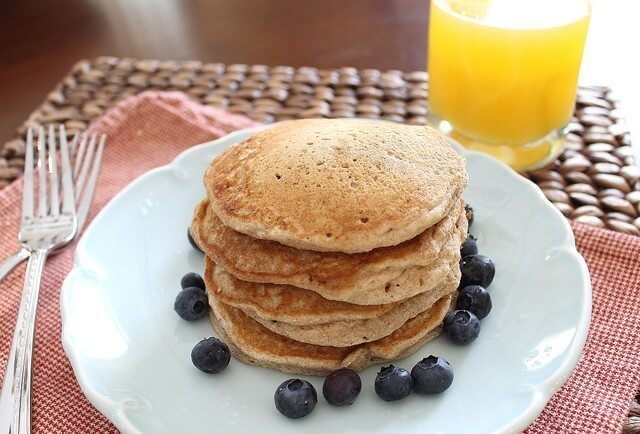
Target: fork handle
x=15, y=398
x=12, y=261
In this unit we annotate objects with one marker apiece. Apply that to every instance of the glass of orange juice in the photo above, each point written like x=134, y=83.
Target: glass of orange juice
x=503, y=74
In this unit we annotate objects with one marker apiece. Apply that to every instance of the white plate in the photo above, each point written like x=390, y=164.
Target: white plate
x=131, y=352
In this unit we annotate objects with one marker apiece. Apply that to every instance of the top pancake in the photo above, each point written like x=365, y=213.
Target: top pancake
x=336, y=185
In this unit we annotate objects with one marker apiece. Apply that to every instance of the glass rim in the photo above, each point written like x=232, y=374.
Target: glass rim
x=575, y=11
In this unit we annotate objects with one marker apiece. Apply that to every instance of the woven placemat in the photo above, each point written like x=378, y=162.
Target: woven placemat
x=594, y=181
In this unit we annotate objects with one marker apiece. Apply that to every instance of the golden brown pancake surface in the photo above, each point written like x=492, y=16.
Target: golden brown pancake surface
x=252, y=343
x=381, y=276
x=335, y=184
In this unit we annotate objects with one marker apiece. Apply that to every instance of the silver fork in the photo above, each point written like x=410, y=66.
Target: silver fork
x=51, y=226
x=83, y=155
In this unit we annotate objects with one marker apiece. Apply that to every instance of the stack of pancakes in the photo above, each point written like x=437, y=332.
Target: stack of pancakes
x=331, y=243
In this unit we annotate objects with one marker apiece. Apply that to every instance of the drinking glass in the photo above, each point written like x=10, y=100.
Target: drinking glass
x=503, y=74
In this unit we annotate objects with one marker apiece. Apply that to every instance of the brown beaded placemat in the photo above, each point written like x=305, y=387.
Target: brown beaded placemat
x=594, y=181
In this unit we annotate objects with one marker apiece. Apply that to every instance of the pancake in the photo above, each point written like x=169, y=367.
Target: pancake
x=306, y=317
x=336, y=185
x=258, y=260
x=354, y=332
x=284, y=302
x=411, y=281
x=252, y=343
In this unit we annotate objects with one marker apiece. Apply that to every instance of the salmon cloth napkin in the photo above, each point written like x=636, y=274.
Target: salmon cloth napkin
x=150, y=129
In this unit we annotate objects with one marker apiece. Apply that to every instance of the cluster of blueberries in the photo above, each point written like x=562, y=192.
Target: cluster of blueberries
x=462, y=325
x=210, y=355
x=296, y=398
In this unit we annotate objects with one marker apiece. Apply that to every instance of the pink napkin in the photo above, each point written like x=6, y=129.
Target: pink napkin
x=144, y=132
x=150, y=129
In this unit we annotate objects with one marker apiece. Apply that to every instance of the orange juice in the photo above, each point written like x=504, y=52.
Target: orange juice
x=504, y=72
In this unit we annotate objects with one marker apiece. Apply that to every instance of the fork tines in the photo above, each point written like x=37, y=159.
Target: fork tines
x=86, y=169
x=48, y=175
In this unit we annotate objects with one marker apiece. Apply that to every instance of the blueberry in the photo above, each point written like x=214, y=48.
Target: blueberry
x=192, y=280
x=461, y=326
x=469, y=247
x=211, y=355
x=469, y=212
x=193, y=242
x=191, y=304
x=476, y=299
x=432, y=375
x=393, y=383
x=342, y=387
x=295, y=398
x=476, y=270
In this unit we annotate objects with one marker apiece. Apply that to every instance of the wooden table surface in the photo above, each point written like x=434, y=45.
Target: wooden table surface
x=41, y=39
